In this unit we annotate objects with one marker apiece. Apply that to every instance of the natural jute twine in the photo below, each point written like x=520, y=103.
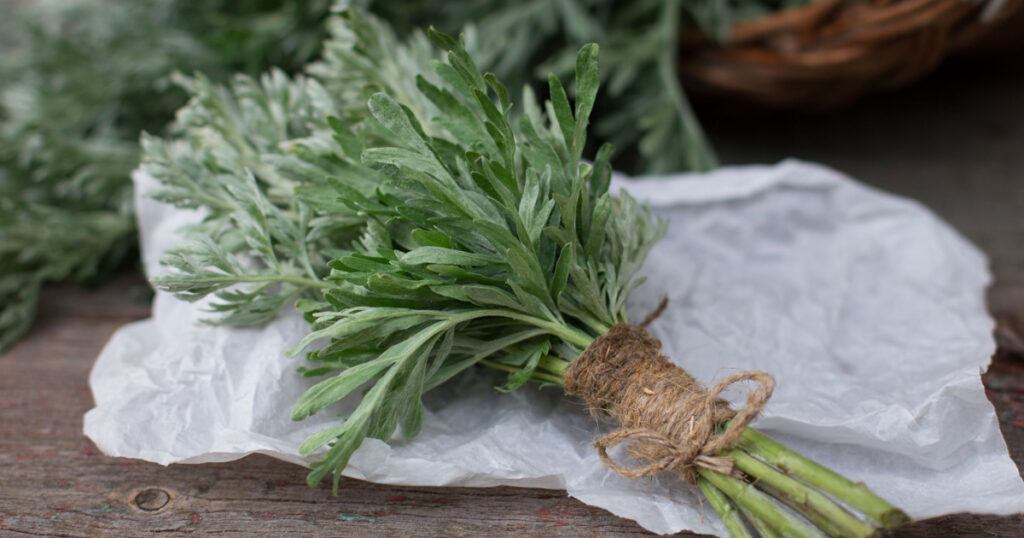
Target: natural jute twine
x=670, y=419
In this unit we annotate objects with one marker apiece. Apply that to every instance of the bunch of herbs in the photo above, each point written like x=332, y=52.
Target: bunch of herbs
x=425, y=229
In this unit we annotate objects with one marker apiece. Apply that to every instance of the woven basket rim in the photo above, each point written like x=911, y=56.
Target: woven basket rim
x=829, y=52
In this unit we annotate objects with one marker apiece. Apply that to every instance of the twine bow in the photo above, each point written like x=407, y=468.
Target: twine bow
x=699, y=447
x=670, y=421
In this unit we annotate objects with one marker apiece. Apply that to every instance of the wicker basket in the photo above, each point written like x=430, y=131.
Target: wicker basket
x=830, y=52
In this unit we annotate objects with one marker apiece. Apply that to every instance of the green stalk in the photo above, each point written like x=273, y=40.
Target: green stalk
x=747, y=496
x=699, y=153
x=762, y=528
x=555, y=366
x=169, y=281
x=808, y=513
x=854, y=494
x=537, y=376
x=816, y=507
x=728, y=512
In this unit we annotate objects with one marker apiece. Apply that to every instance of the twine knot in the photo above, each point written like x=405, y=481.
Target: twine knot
x=670, y=421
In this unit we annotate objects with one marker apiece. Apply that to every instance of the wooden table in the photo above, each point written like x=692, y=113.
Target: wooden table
x=956, y=143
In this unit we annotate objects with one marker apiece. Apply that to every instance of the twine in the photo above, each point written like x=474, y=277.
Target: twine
x=670, y=421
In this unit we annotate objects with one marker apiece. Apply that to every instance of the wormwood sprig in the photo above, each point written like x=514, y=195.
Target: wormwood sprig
x=478, y=236
x=258, y=156
x=495, y=231
x=256, y=227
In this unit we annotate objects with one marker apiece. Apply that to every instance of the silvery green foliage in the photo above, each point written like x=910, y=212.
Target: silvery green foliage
x=258, y=157
x=476, y=234
x=243, y=153
x=489, y=240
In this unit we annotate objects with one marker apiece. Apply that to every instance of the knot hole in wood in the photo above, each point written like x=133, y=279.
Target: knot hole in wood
x=151, y=499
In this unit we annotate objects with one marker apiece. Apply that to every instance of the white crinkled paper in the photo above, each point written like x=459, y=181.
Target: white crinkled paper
x=868, y=310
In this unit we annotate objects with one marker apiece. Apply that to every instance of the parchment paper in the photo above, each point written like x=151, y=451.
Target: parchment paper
x=867, y=308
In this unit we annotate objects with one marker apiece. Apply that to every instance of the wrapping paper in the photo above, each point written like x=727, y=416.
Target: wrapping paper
x=867, y=308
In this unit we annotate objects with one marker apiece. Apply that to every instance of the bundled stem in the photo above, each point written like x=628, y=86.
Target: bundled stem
x=766, y=487
x=732, y=517
x=854, y=494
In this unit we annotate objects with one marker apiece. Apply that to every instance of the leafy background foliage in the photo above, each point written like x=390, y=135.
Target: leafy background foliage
x=257, y=156
x=643, y=110
x=79, y=79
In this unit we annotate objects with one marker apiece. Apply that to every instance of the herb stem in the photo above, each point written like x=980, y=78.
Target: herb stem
x=763, y=529
x=246, y=279
x=728, y=512
x=854, y=494
x=565, y=332
x=556, y=366
x=291, y=279
x=595, y=325
x=512, y=369
x=746, y=495
x=699, y=152
x=816, y=507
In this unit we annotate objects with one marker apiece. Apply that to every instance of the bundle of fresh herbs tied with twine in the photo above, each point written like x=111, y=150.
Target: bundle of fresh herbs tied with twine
x=80, y=78
x=425, y=225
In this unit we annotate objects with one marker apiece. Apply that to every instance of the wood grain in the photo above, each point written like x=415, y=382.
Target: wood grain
x=957, y=144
